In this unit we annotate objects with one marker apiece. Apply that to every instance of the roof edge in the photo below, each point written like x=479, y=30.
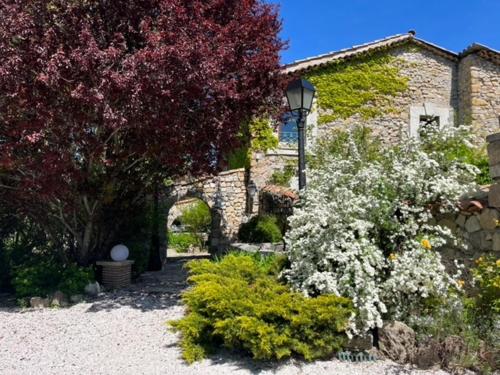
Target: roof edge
x=483, y=51
x=360, y=50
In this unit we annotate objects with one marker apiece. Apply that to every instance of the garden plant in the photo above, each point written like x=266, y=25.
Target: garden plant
x=237, y=302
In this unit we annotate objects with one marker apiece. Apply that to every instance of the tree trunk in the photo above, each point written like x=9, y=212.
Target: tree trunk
x=154, y=254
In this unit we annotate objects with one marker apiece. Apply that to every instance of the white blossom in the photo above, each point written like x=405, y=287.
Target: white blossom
x=359, y=228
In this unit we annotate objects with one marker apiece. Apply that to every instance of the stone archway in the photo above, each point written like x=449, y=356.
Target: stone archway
x=225, y=195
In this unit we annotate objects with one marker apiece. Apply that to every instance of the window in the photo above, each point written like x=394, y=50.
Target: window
x=427, y=121
x=429, y=114
x=288, y=133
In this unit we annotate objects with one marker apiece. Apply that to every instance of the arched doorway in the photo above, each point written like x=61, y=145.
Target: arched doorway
x=226, y=196
x=189, y=225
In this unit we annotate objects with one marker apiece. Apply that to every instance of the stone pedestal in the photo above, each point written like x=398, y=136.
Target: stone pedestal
x=116, y=274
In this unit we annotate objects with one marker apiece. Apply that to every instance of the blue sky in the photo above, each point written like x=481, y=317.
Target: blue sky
x=314, y=27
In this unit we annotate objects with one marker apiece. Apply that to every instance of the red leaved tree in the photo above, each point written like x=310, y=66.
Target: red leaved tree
x=99, y=99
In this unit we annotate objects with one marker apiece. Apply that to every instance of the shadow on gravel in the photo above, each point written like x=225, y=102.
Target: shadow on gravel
x=8, y=303
x=152, y=291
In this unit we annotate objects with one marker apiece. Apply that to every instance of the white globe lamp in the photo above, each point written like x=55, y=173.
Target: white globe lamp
x=119, y=253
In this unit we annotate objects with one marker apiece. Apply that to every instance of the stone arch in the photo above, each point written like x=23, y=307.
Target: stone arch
x=225, y=195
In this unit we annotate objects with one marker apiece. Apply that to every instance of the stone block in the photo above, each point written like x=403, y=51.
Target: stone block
x=461, y=220
x=38, y=302
x=486, y=241
x=448, y=223
x=494, y=153
x=427, y=355
x=472, y=224
x=479, y=102
x=360, y=343
x=59, y=299
x=488, y=219
x=494, y=196
x=77, y=298
x=496, y=241
x=475, y=242
x=397, y=342
x=93, y=289
x=495, y=172
x=481, y=240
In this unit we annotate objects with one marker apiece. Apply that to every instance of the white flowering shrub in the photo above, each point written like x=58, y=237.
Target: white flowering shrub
x=363, y=229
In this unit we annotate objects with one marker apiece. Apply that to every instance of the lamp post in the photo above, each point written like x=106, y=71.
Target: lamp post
x=300, y=94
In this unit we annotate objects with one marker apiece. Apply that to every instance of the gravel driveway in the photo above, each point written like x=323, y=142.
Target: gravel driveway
x=124, y=333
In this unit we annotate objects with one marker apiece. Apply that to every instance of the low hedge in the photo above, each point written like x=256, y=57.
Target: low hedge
x=181, y=242
x=45, y=277
x=238, y=303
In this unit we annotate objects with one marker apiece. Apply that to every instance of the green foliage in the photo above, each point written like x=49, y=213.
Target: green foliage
x=366, y=87
x=458, y=148
x=45, y=277
x=238, y=303
x=487, y=280
x=258, y=135
x=239, y=158
x=284, y=176
x=260, y=229
x=474, y=317
x=197, y=218
x=456, y=317
x=181, y=242
x=262, y=135
x=339, y=143
x=452, y=321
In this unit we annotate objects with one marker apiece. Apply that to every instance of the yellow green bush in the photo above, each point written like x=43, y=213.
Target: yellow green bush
x=238, y=303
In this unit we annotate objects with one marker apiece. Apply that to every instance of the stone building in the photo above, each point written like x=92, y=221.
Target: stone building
x=437, y=85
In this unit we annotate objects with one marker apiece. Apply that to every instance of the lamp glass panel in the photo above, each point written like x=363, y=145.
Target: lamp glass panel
x=308, y=99
x=294, y=96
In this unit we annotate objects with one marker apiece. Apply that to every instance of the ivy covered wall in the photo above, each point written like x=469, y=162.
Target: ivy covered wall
x=378, y=90
x=365, y=86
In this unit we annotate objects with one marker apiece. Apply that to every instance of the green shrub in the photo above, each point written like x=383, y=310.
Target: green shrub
x=239, y=158
x=238, y=303
x=284, y=176
x=197, y=218
x=260, y=229
x=339, y=143
x=457, y=148
x=474, y=318
x=45, y=277
x=181, y=242
x=486, y=276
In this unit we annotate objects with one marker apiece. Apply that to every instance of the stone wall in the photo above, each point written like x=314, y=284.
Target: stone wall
x=479, y=82
x=277, y=201
x=225, y=194
x=432, y=83
x=477, y=226
x=264, y=165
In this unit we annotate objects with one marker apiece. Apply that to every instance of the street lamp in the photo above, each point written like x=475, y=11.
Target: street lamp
x=300, y=95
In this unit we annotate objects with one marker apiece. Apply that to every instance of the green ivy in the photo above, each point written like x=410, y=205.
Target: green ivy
x=284, y=176
x=366, y=87
x=258, y=135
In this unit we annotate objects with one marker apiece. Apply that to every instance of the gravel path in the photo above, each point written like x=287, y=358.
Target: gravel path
x=124, y=333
